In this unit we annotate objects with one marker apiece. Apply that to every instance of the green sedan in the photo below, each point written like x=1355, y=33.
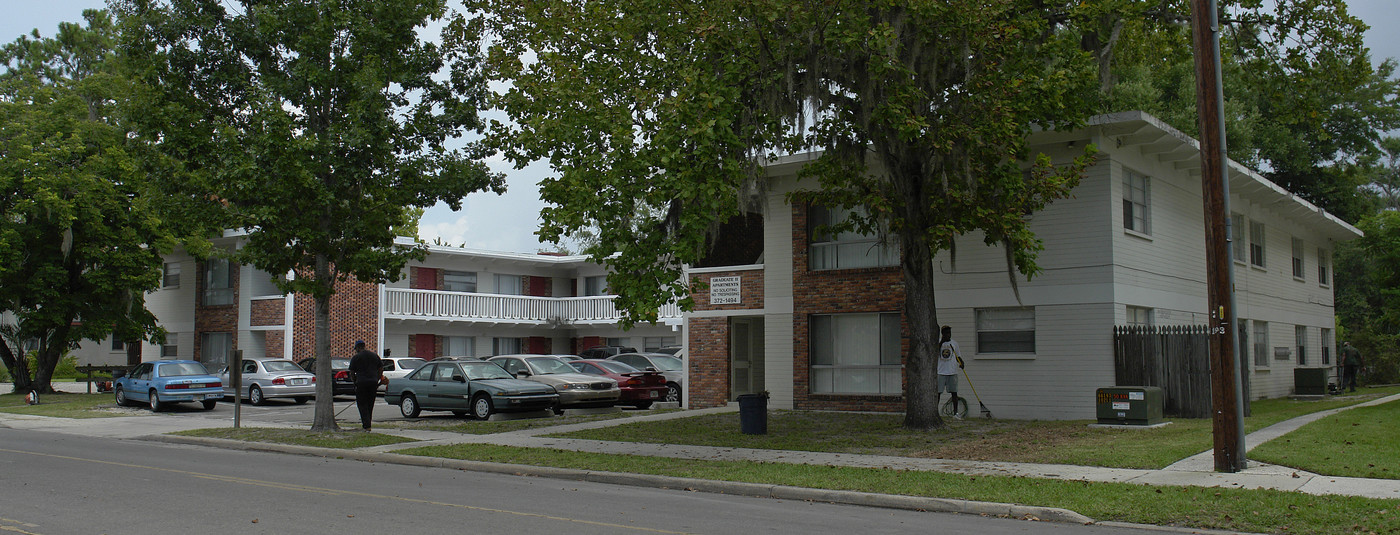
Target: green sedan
x=467, y=387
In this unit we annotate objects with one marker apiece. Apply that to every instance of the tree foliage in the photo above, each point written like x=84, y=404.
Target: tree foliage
x=658, y=117
x=318, y=126
x=80, y=242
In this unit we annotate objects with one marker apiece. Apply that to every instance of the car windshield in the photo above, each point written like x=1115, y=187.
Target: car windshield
x=412, y=364
x=666, y=364
x=177, y=369
x=340, y=364
x=616, y=367
x=477, y=371
x=281, y=366
x=549, y=366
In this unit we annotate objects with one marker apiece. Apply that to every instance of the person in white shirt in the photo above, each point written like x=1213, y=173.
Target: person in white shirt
x=949, y=362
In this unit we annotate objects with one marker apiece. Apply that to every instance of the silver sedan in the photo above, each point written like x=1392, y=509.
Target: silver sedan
x=267, y=377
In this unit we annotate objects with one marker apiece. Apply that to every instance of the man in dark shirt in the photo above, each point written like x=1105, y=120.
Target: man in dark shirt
x=365, y=369
x=1351, y=362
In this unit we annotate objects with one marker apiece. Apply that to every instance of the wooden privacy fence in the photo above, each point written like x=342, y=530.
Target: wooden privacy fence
x=1174, y=358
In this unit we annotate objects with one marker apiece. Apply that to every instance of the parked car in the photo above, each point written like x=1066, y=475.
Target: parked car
x=669, y=366
x=576, y=390
x=340, y=374
x=395, y=367
x=269, y=377
x=471, y=387
x=163, y=382
x=670, y=350
x=639, y=389
x=602, y=352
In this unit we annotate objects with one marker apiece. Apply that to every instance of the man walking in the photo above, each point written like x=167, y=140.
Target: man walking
x=365, y=370
x=1351, y=362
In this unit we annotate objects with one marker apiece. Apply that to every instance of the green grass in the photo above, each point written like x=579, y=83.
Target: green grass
x=1196, y=507
x=1058, y=442
x=345, y=439
x=1356, y=443
x=62, y=405
x=453, y=424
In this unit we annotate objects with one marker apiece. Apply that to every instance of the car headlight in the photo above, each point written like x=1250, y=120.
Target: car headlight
x=573, y=386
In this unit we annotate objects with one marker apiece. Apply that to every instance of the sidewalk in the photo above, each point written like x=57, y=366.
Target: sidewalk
x=1196, y=470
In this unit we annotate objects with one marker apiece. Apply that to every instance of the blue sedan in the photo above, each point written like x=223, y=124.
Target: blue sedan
x=163, y=382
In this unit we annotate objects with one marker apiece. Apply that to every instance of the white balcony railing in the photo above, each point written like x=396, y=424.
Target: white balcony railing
x=437, y=304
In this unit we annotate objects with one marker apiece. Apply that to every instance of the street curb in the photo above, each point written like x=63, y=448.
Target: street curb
x=761, y=490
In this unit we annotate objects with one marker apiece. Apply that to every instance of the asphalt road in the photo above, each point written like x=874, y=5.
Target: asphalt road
x=60, y=484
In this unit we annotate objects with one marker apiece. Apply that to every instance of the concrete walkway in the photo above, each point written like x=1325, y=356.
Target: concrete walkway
x=1196, y=470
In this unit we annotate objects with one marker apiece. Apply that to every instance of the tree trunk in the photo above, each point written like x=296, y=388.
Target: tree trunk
x=921, y=315
x=324, y=419
x=51, y=350
x=18, y=367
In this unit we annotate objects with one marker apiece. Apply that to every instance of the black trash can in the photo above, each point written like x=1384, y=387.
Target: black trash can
x=753, y=414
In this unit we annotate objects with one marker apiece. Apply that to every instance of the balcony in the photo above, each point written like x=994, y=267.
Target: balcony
x=400, y=303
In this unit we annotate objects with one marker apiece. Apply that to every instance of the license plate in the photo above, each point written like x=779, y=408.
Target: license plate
x=196, y=385
x=655, y=394
x=214, y=396
x=298, y=381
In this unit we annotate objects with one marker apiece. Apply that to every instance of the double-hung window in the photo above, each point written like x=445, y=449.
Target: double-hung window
x=595, y=285
x=171, y=348
x=460, y=346
x=510, y=285
x=1006, y=330
x=215, y=349
x=505, y=346
x=1261, y=343
x=1300, y=338
x=170, y=276
x=1325, y=335
x=1237, y=242
x=218, y=282
x=1256, y=244
x=844, y=250
x=1139, y=316
x=459, y=281
x=1137, y=196
x=1324, y=264
x=1298, y=258
x=856, y=354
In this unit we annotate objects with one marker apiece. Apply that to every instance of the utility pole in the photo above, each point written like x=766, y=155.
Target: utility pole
x=1227, y=414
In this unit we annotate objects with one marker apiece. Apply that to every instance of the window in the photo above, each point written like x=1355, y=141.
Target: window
x=505, y=346
x=1300, y=339
x=1324, y=263
x=460, y=346
x=1139, y=315
x=1298, y=258
x=1237, y=243
x=619, y=342
x=856, y=354
x=1326, y=339
x=215, y=348
x=1256, y=243
x=459, y=281
x=595, y=285
x=1136, y=196
x=170, y=277
x=652, y=343
x=171, y=348
x=218, y=282
x=117, y=344
x=1006, y=330
x=846, y=250
x=1261, y=343
x=509, y=285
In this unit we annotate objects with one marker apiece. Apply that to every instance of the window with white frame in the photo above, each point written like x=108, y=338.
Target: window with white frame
x=1237, y=243
x=596, y=285
x=1300, y=341
x=171, y=348
x=117, y=344
x=215, y=349
x=653, y=343
x=1139, y=316
x=510, y=285
x=856, y=354
x=1326, y=338
x=1137, y=196
x=1006, y=330
x=1256, y=243
x=459, y=281
x=505, y=346
x=1298, y=258
x=218, y=282
x=1324, y=265
x=845, y=250
x=1261, y=343
x=170, y=275
x=460, y=346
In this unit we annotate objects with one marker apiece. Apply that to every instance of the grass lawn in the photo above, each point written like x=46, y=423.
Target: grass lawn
x=1196, y=507
x=1059, y=442
x=62, y=405
x=453, y=424
x=1355, y=443
x=346, y=438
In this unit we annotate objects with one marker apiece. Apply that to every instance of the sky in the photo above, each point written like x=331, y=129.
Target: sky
x=508, y=222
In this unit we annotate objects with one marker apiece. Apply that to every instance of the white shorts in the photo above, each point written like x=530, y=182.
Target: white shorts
x=947, y=383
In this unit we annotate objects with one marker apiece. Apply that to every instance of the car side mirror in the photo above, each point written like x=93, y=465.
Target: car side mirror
x=458, y=377
x=652, y=369
x=522, y=374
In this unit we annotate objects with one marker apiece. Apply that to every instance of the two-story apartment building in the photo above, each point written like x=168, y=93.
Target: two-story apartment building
x=819, y=322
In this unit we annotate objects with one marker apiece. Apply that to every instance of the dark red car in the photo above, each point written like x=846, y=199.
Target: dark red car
x=639, y=388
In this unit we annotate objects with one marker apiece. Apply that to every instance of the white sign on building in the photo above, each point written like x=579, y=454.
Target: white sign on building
x=724, y=291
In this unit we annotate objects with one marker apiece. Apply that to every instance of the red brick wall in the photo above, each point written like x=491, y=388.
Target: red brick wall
x=267, y=312
x=218, y=318
x=862, y=290
x=274, y=343
x=354, y=315
x=750, y=290
x=709, y=362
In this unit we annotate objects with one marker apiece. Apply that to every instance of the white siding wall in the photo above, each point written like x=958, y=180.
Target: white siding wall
x=777, y=297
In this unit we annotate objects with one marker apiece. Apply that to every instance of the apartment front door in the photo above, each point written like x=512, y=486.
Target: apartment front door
x=745, y=356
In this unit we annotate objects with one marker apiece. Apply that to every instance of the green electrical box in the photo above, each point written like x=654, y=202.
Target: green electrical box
x=1130, y=405
x=1310, y=381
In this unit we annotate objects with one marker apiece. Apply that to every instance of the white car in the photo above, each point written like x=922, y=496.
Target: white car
x=397, y=367
x=265, y=378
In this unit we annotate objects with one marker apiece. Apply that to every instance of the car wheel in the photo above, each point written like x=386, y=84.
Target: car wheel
x=156, y=405
x=558, y=410
x=209, y=404
x=121, y=397
x=481, y=407
x=301, y=400
x=673, y=392
x=255, y=395
x=409, y=406
x=643, y=405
